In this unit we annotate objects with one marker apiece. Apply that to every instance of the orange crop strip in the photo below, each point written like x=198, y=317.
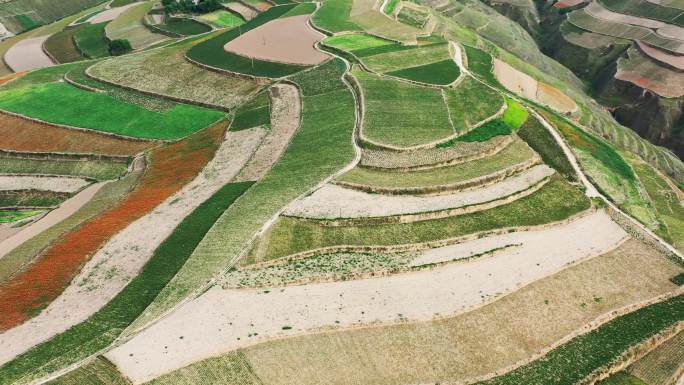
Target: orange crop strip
x=171, y=167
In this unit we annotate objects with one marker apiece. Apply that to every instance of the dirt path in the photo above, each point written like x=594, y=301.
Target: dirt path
x=43, y=183
x=113, y=266
x=65, y=210
x=28, y=54
x=289, y=40
x=210, y=324
x=286, y=108
x=332, y=201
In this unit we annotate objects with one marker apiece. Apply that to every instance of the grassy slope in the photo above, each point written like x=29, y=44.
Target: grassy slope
x=91, y=40
x=321, y=146
x=104, y=326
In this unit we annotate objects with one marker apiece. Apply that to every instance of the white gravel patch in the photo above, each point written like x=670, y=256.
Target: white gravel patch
x=27, y=55
x=222, y=320
x=43, y=183
x=112, y=268
x=332, y=201
x=110, y=14
x=65, y=210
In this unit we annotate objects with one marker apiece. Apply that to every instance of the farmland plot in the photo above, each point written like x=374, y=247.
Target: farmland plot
x=660, y=366
x=223, y=19
x=90, y=39
x=512, y=155
x=61, y=46
x=17, y=134
x=129, y=25
x=471, y=102
x=642, y=71
x=27, y=55
x=402, y=115
x=41, y=183
x=148, y=72
x=414, y=352
x=332, y=201
x=644, y=8
x=556, y=200
x=61, y=103
x=41, y=11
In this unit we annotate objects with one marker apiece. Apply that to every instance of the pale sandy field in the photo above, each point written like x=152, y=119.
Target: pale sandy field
x=333, y=201
x=110, y=14
x=289, y=40
x=28, y=55
x=43, y=183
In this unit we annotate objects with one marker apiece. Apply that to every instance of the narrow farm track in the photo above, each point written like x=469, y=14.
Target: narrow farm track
x=171, y=167
x=416, y=296
x=128, y=251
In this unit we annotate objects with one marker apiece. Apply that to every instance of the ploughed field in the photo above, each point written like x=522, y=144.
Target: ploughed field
x=345, y=192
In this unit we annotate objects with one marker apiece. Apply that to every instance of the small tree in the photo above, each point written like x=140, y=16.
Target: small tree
x=119, y=47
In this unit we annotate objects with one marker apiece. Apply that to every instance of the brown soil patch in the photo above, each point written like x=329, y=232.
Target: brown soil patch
x=288, y=40
x=28, y=54
x=555, y=99
x=23, y=135
x=675, y=61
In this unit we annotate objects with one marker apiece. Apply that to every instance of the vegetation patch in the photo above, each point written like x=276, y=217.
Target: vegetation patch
x=9, y=216
x=480, y=63
x=541, y=140
x=99, y=371
x=171, y=168
x=32, y=198
x=256, y=113
x=515, y=114
x=487, y=131
x=413, y=17
x=92, y=41
x=401, y=114
x=554, y=201
x=333, y=16
x=184, y=27
x=223, y=19
x=471, y=102
x=662, y=365
x=61, y=46
x=62, y=103
x=622, y=378
x=441, y=73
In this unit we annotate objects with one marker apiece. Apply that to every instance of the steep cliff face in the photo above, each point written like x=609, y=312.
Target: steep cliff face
x=656, y=116
x=658, y=119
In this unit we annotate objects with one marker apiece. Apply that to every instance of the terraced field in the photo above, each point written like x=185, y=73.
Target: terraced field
x=346, y=192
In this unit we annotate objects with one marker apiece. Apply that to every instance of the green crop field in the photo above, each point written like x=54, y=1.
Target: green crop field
x=32, y=13
x=129, y=26
x=515, y=115
x=554, y=201
x=622, y=378
x=8, y=215
x=32, y=198
x=90, y=39
x=79, y=108
x=441, y=73
x=223, y=19
x=515, y=153
x=184, y=27
x=334, y=16
x=61, y=45
x=472, y=102
x=256, y=113
x=401, y=114
x=540, y=139
x=413, y=17
x=647, y=9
